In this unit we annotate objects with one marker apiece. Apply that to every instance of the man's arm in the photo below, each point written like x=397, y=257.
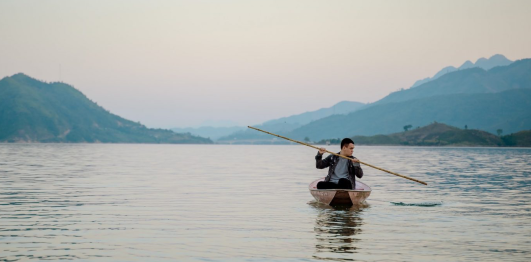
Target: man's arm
x=356, y=168
x=359, y=171
x=321, y=163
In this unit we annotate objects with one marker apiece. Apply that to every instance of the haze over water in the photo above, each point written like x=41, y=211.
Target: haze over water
x=122, y=202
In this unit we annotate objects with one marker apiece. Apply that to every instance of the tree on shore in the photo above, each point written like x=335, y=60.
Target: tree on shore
x=499, y=131
x=406, y=128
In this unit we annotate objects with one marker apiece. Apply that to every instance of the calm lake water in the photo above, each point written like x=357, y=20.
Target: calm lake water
x=91, y=202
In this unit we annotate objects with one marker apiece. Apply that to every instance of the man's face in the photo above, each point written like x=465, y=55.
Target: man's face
x=347, y=150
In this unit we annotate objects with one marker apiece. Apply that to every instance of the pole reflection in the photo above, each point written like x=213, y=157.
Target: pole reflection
x=336, y=230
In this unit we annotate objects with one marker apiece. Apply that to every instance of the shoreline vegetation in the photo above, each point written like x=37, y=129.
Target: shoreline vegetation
x=438, y=134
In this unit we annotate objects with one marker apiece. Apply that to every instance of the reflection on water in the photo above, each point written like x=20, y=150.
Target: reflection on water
x=336, y=231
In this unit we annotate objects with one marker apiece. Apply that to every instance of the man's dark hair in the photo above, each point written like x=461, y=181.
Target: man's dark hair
x=346, y=142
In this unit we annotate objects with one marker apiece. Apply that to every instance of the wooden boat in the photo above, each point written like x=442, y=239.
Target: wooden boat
x=336, y=197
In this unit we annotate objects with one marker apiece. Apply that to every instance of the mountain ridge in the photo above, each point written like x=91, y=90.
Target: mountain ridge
x=459, y=88
x=36, y=111
x=509, y=110
x=472, y=80
x=284, y=125
x=484, y=63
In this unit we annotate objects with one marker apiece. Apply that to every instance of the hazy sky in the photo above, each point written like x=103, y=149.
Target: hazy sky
x=181, y=63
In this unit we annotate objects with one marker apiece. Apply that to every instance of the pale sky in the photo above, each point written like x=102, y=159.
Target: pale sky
x=181, y=63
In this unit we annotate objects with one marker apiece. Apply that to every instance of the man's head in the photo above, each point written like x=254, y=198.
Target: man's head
x=347, y=147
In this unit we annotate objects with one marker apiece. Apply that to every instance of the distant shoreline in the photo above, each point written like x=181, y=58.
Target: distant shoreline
x=261, y=144
x=432, y=135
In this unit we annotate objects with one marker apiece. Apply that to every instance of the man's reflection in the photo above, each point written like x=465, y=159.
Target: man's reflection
x=335, y=231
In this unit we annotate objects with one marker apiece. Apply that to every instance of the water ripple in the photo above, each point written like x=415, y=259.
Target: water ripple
x=250, y=203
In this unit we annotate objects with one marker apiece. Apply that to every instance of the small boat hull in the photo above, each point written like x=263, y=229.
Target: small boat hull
x=340, y=197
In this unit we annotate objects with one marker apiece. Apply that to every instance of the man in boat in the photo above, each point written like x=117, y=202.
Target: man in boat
x=342, y=172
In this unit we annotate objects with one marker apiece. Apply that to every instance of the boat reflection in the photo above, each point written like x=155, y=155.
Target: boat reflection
x=336, y=230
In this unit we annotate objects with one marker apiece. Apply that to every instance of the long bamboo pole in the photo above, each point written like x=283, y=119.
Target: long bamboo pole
x=299, y=142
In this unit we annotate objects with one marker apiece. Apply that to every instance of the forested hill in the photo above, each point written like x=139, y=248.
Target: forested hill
x=435, y=134
x=35, y=111
x=438, y=134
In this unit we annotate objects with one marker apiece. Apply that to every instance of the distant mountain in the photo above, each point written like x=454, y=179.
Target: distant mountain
x=509, y=110
x=34, y=111
x=493, y=61
x=487, y=100
x=473, y=80
x=209, y=131
x=343, y=107
x=486, y=64
x=468, y=64
x=286, y=124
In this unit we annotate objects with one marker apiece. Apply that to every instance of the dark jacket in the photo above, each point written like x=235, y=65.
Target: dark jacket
x=354, y=169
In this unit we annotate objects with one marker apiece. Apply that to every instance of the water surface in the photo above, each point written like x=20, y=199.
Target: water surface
x=94, y=202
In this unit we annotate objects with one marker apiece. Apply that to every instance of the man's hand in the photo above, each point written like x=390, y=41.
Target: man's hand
x=322, y=150
x=355, y=160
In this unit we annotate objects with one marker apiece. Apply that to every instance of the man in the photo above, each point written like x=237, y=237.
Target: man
x=342, y=172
